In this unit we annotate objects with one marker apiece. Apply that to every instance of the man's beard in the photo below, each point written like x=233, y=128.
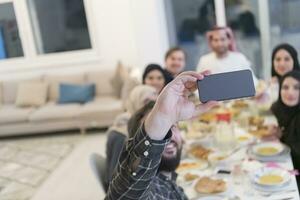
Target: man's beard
x=170, y=164
x=222, y=51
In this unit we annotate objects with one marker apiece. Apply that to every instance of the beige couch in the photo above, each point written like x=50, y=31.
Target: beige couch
x=18, y=120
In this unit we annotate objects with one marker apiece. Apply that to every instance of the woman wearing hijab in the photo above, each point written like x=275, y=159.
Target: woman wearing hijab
x=287, y=111
x=154, y=76
x=284, y=60
x=117, y=133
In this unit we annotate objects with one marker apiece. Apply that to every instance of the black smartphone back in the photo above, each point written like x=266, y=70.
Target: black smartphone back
x=226, y=86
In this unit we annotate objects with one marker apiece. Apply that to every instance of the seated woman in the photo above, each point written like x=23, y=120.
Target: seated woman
x=175, y=60
x=284, y=60
x=117, y=133
x=287, y=112
x=154, y=76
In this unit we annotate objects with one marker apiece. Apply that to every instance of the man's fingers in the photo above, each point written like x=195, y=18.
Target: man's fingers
x=206, y=73
x=197, y=75
x=186, y=79
x=202, y=108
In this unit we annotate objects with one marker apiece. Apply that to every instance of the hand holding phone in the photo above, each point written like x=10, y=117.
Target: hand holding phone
x=226, y=86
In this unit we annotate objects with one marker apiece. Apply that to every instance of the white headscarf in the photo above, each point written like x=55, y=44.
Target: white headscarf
x=139, y=96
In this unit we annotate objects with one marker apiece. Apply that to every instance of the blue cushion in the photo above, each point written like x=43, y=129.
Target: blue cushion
x=72, y=93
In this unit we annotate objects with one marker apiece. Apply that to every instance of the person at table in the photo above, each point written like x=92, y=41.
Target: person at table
x=284, y=60
x=154, y=76
x=175, y=59
x=117, y=133
x=224, y=56
x=287, y=111
x=148, y=161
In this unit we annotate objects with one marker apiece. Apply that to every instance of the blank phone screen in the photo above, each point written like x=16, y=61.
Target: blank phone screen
x=226, y=86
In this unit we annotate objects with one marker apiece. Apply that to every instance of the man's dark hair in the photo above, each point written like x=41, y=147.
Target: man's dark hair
x=135, y=121
x=174, y=49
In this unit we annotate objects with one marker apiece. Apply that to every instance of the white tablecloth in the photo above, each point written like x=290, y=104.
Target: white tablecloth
x=245, y=190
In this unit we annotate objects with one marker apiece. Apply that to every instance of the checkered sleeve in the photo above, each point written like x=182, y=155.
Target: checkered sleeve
x=137, y=166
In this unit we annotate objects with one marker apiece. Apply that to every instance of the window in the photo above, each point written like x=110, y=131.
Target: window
x=10, y=42
x=192, y=19
x=59, y=25
x=285, y=22
x=242, y=17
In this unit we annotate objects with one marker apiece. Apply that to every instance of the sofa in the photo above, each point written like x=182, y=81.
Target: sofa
x=51, y=116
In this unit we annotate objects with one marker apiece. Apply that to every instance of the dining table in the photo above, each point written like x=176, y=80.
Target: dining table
x=234, y=133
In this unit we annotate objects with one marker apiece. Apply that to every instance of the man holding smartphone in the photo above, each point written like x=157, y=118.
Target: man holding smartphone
x=140, y=160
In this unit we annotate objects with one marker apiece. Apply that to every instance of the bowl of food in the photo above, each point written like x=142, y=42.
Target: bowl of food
x=268, y=149
x=244, y=138
x=270, y=177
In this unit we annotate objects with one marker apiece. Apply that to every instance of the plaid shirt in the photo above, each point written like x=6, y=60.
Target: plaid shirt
x=137, y=175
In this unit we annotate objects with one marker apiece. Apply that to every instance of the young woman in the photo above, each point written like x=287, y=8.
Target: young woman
x=154, y=76
x=287, y=111
x=284, y=60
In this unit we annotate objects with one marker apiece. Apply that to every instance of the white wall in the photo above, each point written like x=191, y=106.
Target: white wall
x=151, y=32
x=133, y=31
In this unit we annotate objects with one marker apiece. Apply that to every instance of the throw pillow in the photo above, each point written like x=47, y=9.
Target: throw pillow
x=119, y=78
x=31, y=94
x=74, y=93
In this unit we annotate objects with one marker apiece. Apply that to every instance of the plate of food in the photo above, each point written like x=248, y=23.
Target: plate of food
x=244, y=138
x=268, y=149
x=256, y=121
x=217, y=157
x=210, y=186
x=198, y=130
x=208, y=117
x=189, y=164
x=260, y=132
x=270, y=177
x=186, y=178
x=199, y=152
x=240, y=104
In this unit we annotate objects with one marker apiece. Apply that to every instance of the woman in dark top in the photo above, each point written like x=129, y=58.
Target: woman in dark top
x=287, y=112
x=284, y=60
x=154, y=76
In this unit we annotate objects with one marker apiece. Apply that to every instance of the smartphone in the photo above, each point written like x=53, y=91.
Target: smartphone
x=226, y=86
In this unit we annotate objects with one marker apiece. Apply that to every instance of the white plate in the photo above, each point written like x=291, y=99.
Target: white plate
x=286, y=177
x=217, y=157
x=199, y=165
x=228, y=187
x=272, y=189
x=244, y=138
x=274, y=145
x=283, y=156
